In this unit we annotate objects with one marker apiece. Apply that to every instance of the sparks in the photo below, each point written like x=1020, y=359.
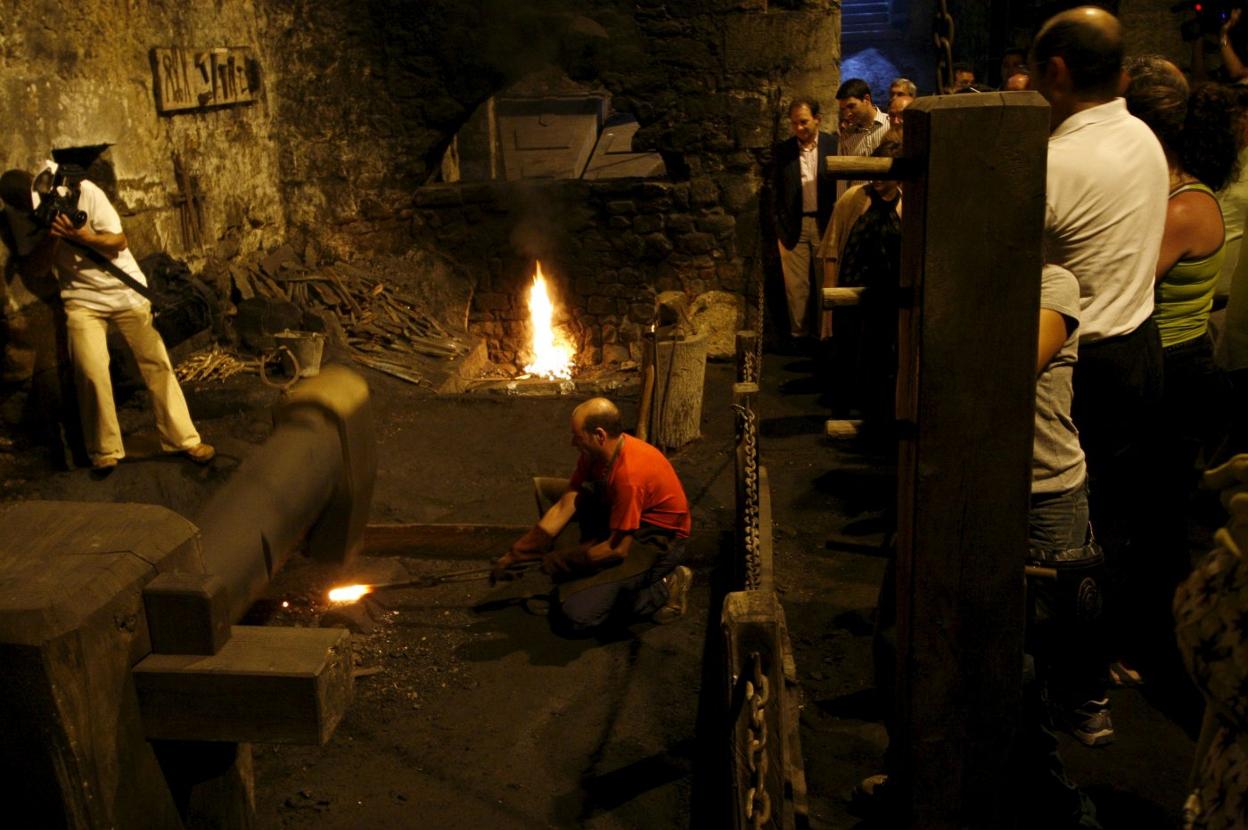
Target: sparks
x=552, y=354
x=349, y=593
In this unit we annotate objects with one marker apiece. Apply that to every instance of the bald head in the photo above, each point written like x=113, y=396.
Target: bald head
x=1088, y=40
x=598, y=413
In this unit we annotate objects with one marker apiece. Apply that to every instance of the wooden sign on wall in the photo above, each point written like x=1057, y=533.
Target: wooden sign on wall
x=187, y=79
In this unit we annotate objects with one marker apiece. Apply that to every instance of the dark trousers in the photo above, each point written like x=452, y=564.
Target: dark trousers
x=1063, y=629
x=1118, y=389
x=633, y=589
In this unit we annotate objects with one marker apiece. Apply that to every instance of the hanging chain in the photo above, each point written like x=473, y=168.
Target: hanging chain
x=747, y=441
x=757, y=693
x=942, y=32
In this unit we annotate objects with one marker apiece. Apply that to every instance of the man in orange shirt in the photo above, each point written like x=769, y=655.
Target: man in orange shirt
x=633, y=518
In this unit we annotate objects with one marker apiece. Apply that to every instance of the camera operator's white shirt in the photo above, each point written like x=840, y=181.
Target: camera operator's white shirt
x=85, y=283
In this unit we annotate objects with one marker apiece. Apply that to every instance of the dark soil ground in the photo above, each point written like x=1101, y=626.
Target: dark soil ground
x=485, y=718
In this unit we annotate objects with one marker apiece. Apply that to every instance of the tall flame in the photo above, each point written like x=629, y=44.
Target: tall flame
x=552, y=354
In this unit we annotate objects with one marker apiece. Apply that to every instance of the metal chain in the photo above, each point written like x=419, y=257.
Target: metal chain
x=942, y=32
x=757, y=693
x=747, y=439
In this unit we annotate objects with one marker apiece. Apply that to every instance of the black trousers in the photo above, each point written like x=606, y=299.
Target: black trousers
x=1118, y=386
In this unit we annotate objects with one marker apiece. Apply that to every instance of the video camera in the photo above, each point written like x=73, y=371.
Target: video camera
x=1210, y=15
x=58, y=195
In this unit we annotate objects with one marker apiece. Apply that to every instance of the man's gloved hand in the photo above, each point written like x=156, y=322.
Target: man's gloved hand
x=565, y=562
x=529, y=547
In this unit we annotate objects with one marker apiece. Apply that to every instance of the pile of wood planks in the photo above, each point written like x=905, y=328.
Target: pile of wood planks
x=212, y=364
x=384, y=326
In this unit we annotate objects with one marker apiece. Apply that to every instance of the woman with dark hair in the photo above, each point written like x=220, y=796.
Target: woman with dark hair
x=1196, y=129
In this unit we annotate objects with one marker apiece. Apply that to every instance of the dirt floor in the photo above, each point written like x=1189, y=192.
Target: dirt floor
x=471, y=717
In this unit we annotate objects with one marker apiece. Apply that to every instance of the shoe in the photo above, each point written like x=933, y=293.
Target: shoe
x=104, y=464
x=200, y=453
x=677, y=582
x=1123, y=676
x=1089, y=722
x=870, y=799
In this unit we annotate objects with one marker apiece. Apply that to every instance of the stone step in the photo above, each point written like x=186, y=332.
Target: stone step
x=857, y=20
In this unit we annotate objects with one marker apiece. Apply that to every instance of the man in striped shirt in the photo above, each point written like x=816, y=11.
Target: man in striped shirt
x=865, y=123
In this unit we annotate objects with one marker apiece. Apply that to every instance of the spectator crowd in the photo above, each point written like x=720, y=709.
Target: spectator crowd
x=1141, y=375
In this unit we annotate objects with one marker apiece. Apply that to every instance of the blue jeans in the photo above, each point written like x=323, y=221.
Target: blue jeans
x=1058, y=522
x=1064, y=630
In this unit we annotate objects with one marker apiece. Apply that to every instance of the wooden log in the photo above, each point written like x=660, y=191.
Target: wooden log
x=860, y=167
x=680, y=371
x=842, y=430
x=266, y=684
x=841, y=296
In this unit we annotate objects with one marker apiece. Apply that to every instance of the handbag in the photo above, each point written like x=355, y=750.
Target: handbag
x=177, y=315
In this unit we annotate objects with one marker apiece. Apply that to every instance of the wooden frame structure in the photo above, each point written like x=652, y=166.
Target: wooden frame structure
x=974, y=172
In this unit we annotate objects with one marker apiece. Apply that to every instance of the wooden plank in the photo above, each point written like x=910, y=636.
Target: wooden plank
x=867, y=167
x=265, y=685
x=966, y=387
x=187, y=613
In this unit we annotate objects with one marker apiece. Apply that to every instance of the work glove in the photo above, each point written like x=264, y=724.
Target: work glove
x=529, y=547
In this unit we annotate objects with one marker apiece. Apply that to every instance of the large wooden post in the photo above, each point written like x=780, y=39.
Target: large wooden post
x=971, y=265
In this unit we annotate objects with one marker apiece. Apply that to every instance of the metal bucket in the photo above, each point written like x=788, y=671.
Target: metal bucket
x=306, y=346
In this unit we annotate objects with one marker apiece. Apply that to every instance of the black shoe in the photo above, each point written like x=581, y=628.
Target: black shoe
x=677, y=582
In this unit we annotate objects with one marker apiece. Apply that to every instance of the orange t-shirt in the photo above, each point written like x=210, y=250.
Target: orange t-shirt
x=641, y=487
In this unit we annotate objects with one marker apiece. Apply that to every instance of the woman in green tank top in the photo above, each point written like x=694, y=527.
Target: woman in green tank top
x=1197, y=131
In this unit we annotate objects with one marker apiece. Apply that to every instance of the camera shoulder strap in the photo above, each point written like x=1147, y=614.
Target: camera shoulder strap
x=111, y=267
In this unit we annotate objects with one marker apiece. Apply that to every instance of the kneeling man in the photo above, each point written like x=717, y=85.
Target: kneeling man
x=633, y=518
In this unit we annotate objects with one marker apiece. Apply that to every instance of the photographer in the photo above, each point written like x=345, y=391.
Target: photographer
x=85, y=240
x=1235, y=69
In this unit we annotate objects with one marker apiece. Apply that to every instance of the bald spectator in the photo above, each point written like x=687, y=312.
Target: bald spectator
x=1018, y=81
x=895, y=109
x=902, y=87
x=1105, y=215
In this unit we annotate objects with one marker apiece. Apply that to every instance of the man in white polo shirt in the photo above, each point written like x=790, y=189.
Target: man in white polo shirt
x=94, y=298
x=1106, y=211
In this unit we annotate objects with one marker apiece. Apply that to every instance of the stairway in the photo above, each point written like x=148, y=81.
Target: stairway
x=866, y=21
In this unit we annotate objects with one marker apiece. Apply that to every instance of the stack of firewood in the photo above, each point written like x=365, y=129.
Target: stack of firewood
x=384, y=327
x=213, y=364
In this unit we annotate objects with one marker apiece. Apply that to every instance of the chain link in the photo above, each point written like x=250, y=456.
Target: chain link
x=757, y=693
x=942, y=33
x=747, y=441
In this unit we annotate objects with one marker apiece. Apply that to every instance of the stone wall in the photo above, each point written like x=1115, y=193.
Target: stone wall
x=358, y=100
x=80, y=74
x=607, y=248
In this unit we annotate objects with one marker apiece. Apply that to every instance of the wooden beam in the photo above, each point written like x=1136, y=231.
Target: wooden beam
x=971, y=255
x=869, y=167
x=187, y=613
x=841, y=296
x=265, y=685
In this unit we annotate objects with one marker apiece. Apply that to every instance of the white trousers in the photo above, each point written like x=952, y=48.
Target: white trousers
x=88, y=348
